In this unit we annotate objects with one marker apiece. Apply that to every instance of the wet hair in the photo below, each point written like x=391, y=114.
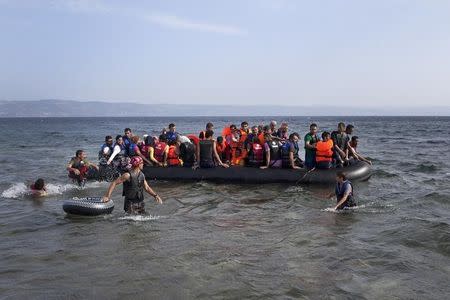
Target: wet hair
x=291, y=136
x=341, y=174
x=220, y=139
x=209, y=125
x=78, y=152
x=39, y=184
x=135, y=139
x=149, y=140
x=255, y=127
x=127, y=129
x=312, y=125
x=355, y=138
x=107, y=138
x=244, y=124
x=209, y=133
x=118, y=137
x=162, y=138
x=171, y=125
x=325, y=134
x=232, y=126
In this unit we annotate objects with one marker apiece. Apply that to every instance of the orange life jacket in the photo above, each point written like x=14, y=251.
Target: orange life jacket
x=261, y=139
x=220, y=147
x=172, y=157
x=324, y=151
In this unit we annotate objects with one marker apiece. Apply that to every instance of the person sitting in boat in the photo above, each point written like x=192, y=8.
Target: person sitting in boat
x=127, y=134
x=209, y=126
x=171, y=134
x=38, y=188
x=255, y=156
x=119, y=154
x=250, y=137
x=289, y=152
x=221, y=148
x=272, y=151
x=343, y=192
x=311, y=139
x=106, y=150
x=187, y=152
x=282, y=132
x=134, y=149
x=173, y=154
x=244, y=130
x=238, y=151
x=353, y=153
x=262, y=134
x=80, y=169
x=207, y=153
x=324, y=152
x=340, y=140
x=158, y=153
x=134, y=184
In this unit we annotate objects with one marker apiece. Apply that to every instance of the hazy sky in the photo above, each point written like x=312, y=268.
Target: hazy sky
x=391, y=52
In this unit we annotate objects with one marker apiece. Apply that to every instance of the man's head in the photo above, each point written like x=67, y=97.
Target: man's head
x=163, y=138
x=267, y=129
x=349, y=129
x=294, y=137
x=341, y=127
x=325, y=136
x=255, y=130
x=209, y=126
x=209, y=134
x=39, y=184
x=273, y=125
x=340, y=177
x=284, y=126
x=313, y=128
x=233, y=127
x=137, y=162
x=172, y=127
x=150, y=140
x=220, y=139
x=80, y=154
x=108, y=140
x=244, y=126
x=127, y=132
x=354, y=141
x=119, y=139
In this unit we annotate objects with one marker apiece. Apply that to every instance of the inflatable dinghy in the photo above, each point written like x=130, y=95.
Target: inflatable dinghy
x=89, y=206
x=357, y=171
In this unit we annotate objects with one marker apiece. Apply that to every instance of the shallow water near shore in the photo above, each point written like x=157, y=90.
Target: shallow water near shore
x=228, y=240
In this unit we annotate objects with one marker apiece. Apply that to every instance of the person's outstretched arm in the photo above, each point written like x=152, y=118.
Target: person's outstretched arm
x=152, y=193
x=139, y=153
x=344, y=198
x=216, y=155
x=112, y=186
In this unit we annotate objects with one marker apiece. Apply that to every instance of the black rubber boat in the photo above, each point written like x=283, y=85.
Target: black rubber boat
x=358, y=171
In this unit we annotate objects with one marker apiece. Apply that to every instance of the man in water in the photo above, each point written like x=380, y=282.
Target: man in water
x=134, y=184
x=38, y=188
x=80, y=168
x=343, y=192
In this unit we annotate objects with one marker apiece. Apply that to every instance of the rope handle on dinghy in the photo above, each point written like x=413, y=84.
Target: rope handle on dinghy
x=306, y=174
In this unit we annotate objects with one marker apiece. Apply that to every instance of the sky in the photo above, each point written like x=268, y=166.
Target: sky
x=254, y=52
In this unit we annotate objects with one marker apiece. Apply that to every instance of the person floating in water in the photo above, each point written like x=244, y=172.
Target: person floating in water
x=134, y=184
x=38, y=188
x=343, y=192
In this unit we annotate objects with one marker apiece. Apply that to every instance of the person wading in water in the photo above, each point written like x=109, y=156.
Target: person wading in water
x=134, y=184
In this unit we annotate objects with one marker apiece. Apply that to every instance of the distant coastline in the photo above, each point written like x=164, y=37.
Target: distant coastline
x=70, y=108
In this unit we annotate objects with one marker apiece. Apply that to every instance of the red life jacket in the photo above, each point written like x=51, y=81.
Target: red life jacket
x=172, y=157
x=324, y=151
x=256, y=155
x=159, y=151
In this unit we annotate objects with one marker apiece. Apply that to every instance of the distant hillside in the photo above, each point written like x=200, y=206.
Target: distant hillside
x=67, y=108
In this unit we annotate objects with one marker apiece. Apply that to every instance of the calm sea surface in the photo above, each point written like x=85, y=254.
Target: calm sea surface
x=214, y=241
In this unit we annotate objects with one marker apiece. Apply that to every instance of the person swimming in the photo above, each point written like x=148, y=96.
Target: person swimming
x=38, y=188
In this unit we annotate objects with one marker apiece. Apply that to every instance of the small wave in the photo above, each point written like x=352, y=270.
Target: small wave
x=20, y=189
x=140, y=218
x=385, y=174
x=425, y=168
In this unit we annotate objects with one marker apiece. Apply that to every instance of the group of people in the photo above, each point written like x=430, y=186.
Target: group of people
x=262, y=146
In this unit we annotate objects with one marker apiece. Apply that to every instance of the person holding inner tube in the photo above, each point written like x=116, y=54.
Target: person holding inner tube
x=134, y=184
x=207, y=152
x=343, y=192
